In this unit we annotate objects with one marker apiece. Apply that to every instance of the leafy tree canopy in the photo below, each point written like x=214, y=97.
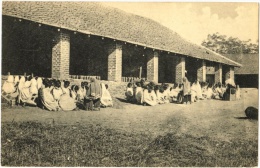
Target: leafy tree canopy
x=229, y=45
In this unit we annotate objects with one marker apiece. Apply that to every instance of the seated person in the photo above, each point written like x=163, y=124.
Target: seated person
x=9, y=87
x=67, y=102
x=25, y=96
x=129, y=92
x=82, y=90
x=209, y=91
x=149, y=98
x=106, y=99
x=175, y=90
x=46, y=97
x=159, y=93
x=166, y=93
x=57, y=91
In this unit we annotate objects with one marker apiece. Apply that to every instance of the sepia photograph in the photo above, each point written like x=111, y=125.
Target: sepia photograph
x=129, y=84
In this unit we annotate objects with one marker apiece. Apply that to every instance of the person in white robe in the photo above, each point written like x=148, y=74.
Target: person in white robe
x=16, y=80
x=149, y=97
x=57, y=91
x=47, y=99
x=33, y=87
x=166, y=93
x=82, y=91
x=66, y=102
x=39, y=83
x=139, y=93
x=106, y=99
x=9, y=86
x=26, y=97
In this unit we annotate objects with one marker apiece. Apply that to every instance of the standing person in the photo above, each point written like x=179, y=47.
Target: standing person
x=94, y=93
x=186, y=89
x=139, y=93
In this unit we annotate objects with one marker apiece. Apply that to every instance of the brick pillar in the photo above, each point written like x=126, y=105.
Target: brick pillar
x=114, y=62
x=218, y=73
x=180, y=69
x=201, y=70
x=152, y=66
x=230, y=73
x=61, y=56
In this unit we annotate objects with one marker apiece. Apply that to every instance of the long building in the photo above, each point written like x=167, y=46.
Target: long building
x=60, y=39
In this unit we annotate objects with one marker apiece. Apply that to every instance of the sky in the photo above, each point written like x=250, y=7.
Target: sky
x=194, y=21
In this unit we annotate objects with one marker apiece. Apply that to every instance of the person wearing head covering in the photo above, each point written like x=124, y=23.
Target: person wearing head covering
x=139, y=93
x=47, y=98
x=166, y=93
x=16, y=80
x=106, y=99
x=9, y=86
x=93, y=93
x=186, y=89
x=66, y=102
x=149, y=96
x=159, y=94
x=33, y=87
x=26, y=97
x=39, y=83
x=209, y=91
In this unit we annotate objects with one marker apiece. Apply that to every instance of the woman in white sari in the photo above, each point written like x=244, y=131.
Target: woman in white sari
x=67, y=103
x=149, y=96
x=39, y=83
x=26, y=97
x=33, y=88
x=57, y=91
x=8, y=86
x=139, y=93
x=47, y=98
x=106, y=99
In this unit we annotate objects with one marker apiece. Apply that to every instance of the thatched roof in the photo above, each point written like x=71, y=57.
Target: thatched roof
x=94, y=18
x=250, y=63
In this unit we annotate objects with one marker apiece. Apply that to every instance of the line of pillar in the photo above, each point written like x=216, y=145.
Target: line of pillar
x=61, y=61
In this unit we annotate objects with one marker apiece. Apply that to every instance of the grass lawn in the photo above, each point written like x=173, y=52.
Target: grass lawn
x=206, y=133
x=36, y=144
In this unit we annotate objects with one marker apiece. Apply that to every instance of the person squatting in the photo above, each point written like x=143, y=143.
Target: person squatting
x=149, y=93
x=55, y=95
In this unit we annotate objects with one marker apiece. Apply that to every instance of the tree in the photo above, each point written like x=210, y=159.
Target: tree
x=229, y=45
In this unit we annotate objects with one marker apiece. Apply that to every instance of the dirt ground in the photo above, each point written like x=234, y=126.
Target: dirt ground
x=223, y=120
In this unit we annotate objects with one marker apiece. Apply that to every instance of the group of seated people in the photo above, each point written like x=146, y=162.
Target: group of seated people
x=55, y=95
x=149, y=93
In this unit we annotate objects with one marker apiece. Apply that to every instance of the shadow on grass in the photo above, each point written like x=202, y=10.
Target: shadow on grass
x=245, y=118
x=124, y=101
